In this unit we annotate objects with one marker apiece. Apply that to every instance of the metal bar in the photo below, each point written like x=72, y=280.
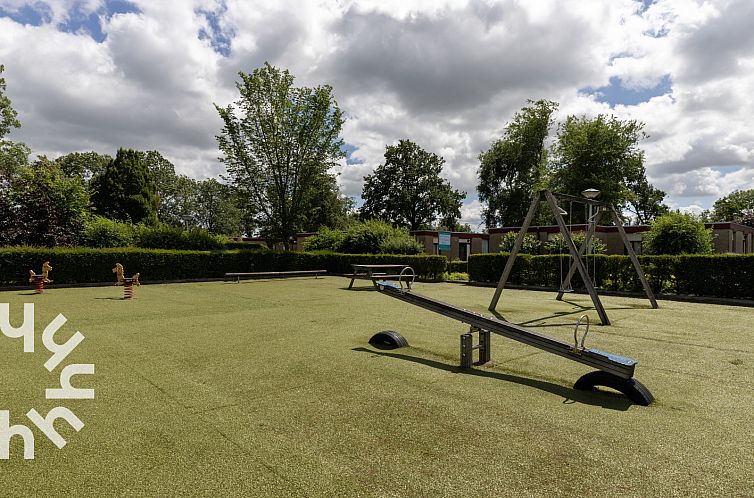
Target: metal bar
x=567, y=281
x=516, y=247
x=583, y=200
x=617, y=365
x=577, y=260
x=634, y=259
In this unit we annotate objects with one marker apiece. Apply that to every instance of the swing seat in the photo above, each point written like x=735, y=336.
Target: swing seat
x=566, y=291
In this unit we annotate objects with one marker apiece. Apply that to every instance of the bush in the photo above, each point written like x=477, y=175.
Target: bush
x=678, y=233
x=558, y=245
x=326, y=240
x=458, y=266
x=529, y=246
x=367, y=237
x=99, y=231
x=400, y=244
x=455, y=276
x=167, y=237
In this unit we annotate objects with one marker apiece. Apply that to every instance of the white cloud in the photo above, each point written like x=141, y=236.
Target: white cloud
x=446, y=74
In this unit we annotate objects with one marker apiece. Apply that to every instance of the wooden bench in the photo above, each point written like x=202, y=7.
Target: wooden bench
x=275, y=274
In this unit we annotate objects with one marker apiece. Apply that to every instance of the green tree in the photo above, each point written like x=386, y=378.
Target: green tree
x=42, y=207
x=513, y=169
x=217, y=208
x=326, y=206
x=645, y=201
x=278, y=141
x=126, y=189
x=601, y=153
x=83, y=165
x=735, y=206
x=678, y=233
x=13, y=155
x=408, y=190
x=8, y=115
x=366, y=237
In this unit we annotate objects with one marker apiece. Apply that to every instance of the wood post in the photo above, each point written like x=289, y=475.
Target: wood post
x=634, y=259
x=516, y=247
x=577, y=259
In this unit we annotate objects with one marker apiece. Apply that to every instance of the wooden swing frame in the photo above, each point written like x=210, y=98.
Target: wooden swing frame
x=575, y=253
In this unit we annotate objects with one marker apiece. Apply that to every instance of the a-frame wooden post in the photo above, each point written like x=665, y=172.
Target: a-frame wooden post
x=572, y=269
x=516, y=247
x=577, y=260
x=634, y=259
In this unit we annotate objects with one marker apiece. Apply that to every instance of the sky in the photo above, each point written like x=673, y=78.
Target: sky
x=448, y=75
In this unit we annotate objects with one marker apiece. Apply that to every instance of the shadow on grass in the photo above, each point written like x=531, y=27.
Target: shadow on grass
x=112, y=298
x=609, y=400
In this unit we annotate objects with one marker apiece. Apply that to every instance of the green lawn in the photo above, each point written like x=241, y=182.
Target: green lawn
x=270, y=388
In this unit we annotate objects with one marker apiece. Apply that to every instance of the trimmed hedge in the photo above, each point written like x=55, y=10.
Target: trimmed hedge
x=84, y=265
x=718, y=275
x=458, y=267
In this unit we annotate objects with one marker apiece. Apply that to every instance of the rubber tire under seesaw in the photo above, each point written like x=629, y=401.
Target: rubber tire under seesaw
x=388, y=339
x=632, y=388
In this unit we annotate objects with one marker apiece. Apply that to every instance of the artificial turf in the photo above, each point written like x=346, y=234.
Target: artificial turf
x=270, y=388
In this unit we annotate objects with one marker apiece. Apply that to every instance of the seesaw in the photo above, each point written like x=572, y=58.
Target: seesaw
x=613, y=371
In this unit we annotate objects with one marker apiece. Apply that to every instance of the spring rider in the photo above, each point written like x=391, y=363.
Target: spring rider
x=126, y=282
x=40, y=280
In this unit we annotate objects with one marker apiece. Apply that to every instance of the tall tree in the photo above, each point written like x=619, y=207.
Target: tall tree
x=646, y=201
x=408, y=190
x=126, y=189
x=735, y=206
x=83, y=165
x=514, y=166
x=217, y=208
x=602, y=153
x=41, y=206
x=277, y=141
x=13, y=155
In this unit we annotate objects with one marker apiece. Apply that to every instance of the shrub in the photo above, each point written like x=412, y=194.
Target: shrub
x=458, y=266
x=326, y=240
x=167, y=237
x=678, y=233
x=99, y=231
x=400, y=244
x=367, y=237
x=529, y=246
x=558, y=245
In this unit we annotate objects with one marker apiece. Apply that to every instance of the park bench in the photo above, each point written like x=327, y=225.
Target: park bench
x=274, y=274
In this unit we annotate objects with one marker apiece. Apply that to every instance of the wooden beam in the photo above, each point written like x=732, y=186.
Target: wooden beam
x=516, y=247
x=577, y=260
x=634, y=259
x=572, y=269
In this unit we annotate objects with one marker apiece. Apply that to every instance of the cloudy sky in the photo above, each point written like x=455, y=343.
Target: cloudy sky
x=102, y=74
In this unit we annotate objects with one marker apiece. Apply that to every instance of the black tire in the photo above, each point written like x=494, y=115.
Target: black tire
x=632, y=388
x=388, y=339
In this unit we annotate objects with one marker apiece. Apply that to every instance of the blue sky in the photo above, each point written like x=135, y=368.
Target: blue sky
x=447, y=74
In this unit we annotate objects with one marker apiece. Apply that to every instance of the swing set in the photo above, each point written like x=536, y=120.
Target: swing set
x=577, y=264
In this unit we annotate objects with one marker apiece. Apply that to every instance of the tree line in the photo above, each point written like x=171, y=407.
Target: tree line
x=280, y=143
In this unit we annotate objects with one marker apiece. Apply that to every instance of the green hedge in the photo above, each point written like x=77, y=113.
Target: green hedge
x=458, y=267
x=83, y=265
x=716, y=275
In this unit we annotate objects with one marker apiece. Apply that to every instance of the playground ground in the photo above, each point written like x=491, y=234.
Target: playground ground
x=269, y=388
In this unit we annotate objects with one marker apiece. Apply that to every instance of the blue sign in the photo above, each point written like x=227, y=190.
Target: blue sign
x=443, y=241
